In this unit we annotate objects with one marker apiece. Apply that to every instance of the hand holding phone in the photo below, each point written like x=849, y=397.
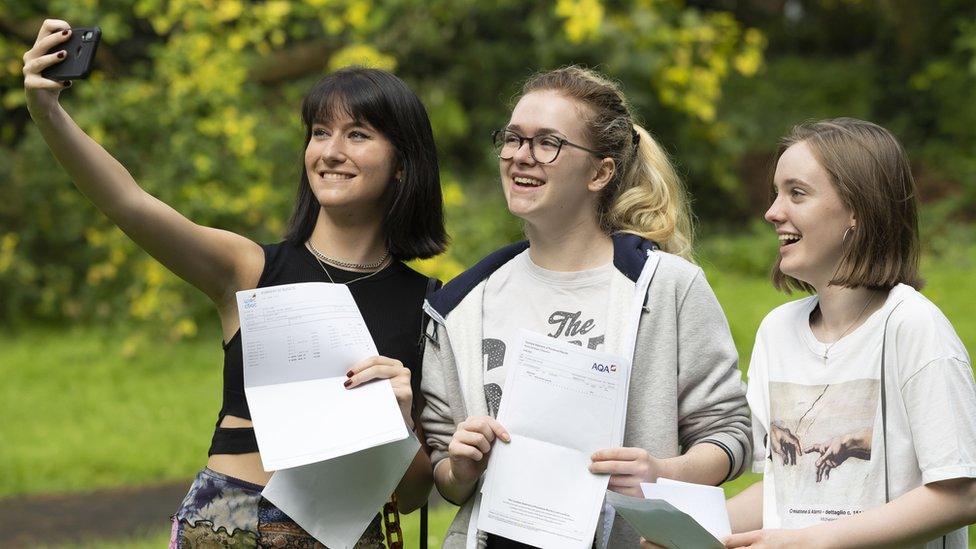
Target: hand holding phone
x=79, y=55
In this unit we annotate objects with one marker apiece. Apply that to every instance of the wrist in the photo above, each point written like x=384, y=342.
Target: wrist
x=663, y=467
x=818, y=536
x=463, y=484
x=454, y=490
x=850, y=442
x=42, y=110
x=453, y=480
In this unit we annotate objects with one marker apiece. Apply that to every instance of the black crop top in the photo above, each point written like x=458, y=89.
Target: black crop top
x=390, y=302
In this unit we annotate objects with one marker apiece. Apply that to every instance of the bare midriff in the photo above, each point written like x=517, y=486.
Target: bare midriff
x=243, y=466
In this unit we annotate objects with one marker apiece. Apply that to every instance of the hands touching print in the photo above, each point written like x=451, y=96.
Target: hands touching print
x=784, y=443
x=838, y=449
x=833, y=452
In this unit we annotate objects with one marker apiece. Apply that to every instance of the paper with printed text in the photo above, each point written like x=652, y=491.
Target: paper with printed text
x=562, y=403
x=298, y=342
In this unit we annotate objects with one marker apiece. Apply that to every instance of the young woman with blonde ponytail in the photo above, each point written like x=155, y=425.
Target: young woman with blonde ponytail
x=606, y=266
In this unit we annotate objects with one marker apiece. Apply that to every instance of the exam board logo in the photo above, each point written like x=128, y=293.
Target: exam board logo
x=607, y=368
x=251, y=302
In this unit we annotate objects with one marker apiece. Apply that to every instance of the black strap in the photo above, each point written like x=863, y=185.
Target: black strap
x=432, y=285
x=884, y=401
x=423, y=527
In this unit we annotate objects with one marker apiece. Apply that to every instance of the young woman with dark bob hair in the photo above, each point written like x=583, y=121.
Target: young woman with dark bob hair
x=862, y=395
x=369, y=198
x=606, y=267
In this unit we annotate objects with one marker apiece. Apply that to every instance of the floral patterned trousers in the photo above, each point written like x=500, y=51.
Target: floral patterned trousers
x=222, y=511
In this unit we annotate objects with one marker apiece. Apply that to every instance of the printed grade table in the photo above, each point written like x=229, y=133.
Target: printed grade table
x=299, y=340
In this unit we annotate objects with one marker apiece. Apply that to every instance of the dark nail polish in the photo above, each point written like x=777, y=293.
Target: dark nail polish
x=349, y=373
x=347, y=383
x=67, y=83
x=61, y=54
x=65, y=32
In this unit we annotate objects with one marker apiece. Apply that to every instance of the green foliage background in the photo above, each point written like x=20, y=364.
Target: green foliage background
x=199, y=99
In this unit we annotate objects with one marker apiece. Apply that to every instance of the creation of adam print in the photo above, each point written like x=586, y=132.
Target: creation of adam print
x=820, y=444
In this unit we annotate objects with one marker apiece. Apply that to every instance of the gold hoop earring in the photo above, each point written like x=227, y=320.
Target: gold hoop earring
x=847, y=232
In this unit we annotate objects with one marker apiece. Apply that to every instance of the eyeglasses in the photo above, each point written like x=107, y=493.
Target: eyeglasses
x=543, y=148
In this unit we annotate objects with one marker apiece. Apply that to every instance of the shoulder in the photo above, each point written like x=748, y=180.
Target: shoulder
x=921, y=328
x=676, y=267
x=406, y=273
x=279, y=251
x=265, y=266
x=786, y=314
x=447, y=298
x=910, y=311
x=675, y=275
x=910, y=308
x=681, y=280
x=284, y=262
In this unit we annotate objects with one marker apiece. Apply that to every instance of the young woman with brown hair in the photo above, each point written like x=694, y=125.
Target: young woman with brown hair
x=863, y=401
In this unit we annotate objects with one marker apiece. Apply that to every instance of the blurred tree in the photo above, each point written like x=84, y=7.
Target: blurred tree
x=909, y=66
x=199, y=99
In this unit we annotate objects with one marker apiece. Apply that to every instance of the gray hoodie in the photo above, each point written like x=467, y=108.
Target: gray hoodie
x=685, y=387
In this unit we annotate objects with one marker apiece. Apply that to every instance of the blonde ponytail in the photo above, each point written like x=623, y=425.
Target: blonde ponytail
x=650, y=200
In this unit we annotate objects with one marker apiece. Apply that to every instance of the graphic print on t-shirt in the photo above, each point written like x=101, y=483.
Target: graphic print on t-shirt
x=570, y=306
x=821, y=445
x=493, y=353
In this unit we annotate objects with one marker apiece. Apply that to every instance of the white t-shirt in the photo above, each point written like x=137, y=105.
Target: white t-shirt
x=818, y=424
x=570, y=306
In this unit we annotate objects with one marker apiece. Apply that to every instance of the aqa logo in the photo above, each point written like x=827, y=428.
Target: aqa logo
x=604, y=367
x=251, y=302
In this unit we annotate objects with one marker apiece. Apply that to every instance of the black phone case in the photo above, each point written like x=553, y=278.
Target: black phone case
x=80, y=55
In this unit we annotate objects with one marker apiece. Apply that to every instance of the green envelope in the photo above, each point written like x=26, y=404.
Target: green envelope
x=660, y=522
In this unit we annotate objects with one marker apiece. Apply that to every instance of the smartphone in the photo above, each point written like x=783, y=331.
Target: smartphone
x=80, y=50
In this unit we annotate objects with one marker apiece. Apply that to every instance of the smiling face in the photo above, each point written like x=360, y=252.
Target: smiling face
x=565, y=191
x=349, y=164
x=809, y=218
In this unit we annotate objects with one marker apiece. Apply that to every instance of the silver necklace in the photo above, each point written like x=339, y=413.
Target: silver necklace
x=322, y=264
x=345, y=264
x=829, y=346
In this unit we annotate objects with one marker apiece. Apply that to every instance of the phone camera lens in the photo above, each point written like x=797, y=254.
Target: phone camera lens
x=87, y=36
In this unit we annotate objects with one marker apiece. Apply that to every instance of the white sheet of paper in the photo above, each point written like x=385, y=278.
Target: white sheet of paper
x=662, y=523
x=561, y=403
x=336, y=500
x=705, y=504
x=298, y=341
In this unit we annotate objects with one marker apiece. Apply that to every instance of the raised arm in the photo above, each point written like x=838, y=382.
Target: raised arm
x=215, y=261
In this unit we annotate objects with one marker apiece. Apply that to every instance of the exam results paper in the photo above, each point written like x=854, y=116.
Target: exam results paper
x=562, y=403
x=298, y=341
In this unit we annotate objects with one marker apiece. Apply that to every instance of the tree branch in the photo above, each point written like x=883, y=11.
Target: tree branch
x=298, y=60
